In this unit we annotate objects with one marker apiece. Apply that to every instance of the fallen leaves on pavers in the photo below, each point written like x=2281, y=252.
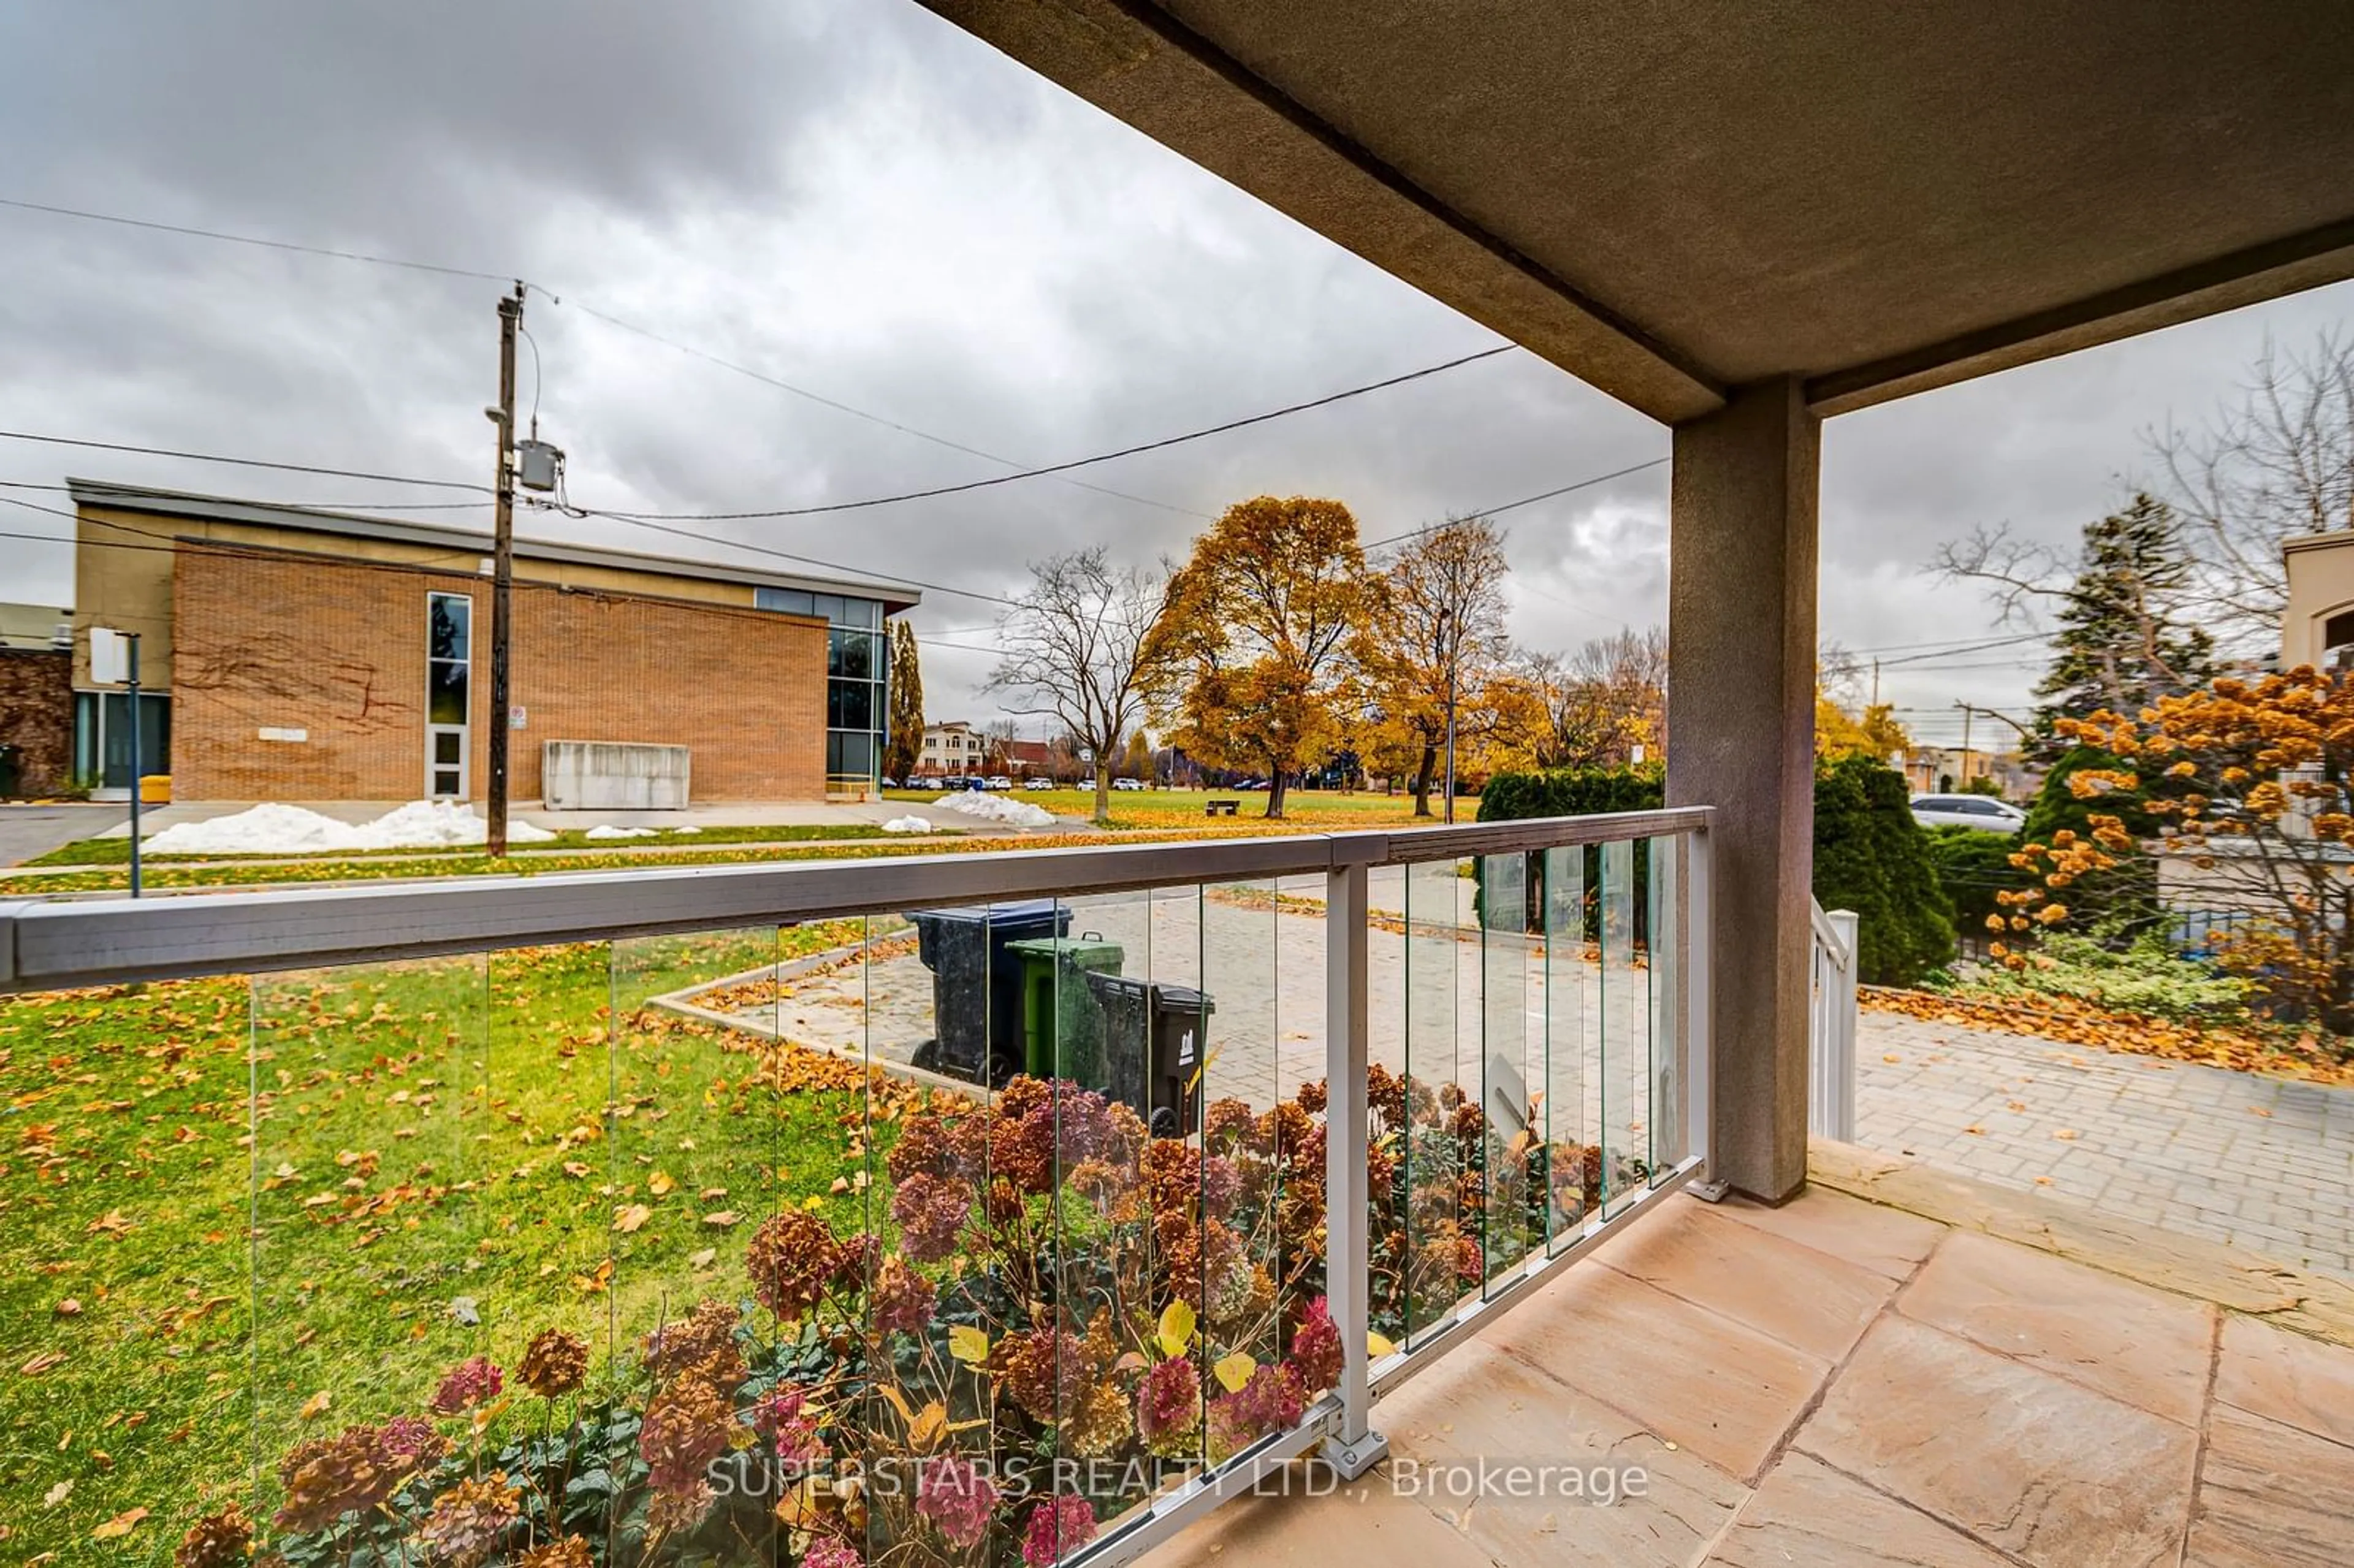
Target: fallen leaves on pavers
x=2073, y=1022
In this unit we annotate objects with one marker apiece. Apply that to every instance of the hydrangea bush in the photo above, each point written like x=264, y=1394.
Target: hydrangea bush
x=1051, y=1314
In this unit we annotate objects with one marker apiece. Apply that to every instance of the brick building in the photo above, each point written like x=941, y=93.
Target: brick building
x=301, y=655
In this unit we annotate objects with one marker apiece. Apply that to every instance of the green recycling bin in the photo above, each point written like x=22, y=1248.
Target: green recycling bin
x=1062, y=1026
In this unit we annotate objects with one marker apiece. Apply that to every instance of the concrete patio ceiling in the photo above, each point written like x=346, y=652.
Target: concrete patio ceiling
x=1670, y=200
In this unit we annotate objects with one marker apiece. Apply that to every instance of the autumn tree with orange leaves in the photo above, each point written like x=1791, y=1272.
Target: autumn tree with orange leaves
x=2247, y=781
x=1258, y=653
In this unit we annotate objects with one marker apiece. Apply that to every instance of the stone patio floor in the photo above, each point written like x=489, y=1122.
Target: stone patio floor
x=1838, y=1384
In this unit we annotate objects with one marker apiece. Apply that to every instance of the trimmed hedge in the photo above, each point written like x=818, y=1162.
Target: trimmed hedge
x=1574, y=792
x=1870, y=856
x=1577, y=792
x=1973, y=865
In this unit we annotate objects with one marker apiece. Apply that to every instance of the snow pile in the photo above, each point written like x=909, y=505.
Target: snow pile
x=608, y=831
x=996, y=808
x=273, y=829
x=907, y=825
x=686, y=830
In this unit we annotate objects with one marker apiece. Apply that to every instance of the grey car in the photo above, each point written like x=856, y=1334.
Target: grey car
x=1981, y=812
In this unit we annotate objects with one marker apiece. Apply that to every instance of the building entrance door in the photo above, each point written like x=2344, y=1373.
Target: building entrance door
x=445, y=761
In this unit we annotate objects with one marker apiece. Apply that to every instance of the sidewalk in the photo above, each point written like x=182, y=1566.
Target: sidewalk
x=2258, y=1162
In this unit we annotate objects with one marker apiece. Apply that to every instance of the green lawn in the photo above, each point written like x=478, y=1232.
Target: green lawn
x=232, y=1216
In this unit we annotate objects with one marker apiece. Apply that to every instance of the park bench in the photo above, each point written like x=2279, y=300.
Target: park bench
x=1219, y=807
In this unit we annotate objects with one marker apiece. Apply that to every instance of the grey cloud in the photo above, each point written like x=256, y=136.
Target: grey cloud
x=855, y=196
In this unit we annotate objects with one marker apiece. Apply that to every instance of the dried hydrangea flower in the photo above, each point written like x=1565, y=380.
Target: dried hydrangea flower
x=930, y=1212
x=554, y=1364
x=1045, y=1371
x=223, y=1540
x=956, y=1497
x=1169, y=1407
x=792, y=1258
x=1059, y=1526
x=902, y=1300
x=572, y=1551
x=473, y=1382
x=1316, y=1349
x=469, y=1521
x=328, y=1477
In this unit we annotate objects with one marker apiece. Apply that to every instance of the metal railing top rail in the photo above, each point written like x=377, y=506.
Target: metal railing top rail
x=55, y=946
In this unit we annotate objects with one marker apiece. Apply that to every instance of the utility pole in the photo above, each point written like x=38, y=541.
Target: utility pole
x=1875, y=683
x=1965, y=743
x=502, y=569
x=132, y=685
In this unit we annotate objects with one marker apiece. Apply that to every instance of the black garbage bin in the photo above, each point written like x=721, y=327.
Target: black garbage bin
x=977, y=984
x=1154, y=1041
x=8, y=771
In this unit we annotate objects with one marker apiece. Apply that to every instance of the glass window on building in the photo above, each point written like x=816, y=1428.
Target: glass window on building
x=102, y=737
x=858, y=677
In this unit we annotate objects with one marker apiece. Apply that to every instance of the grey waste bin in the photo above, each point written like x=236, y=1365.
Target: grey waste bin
x=977, y=984
x=1155, y=1038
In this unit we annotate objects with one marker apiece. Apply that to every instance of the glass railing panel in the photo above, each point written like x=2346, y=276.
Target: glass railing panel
x=126, y=1285
x=377, y=1165
x=1419, y=1147
x=719, y=1136
x=1504, y=1126
x=1625, y=1021
x=1262, y=961
x=1666, y=946
x=1572, y=1170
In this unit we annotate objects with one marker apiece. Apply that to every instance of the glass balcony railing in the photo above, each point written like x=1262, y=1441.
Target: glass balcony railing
x=950, y=1210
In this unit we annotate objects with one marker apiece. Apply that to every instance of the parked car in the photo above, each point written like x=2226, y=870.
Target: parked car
x=1087, y=784
x=1981, y=812
x=998, y=781
x=1039, y=783
x=1127, y=783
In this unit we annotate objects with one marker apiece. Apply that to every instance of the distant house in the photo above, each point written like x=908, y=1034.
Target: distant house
x=291, y=654
x=952, y=747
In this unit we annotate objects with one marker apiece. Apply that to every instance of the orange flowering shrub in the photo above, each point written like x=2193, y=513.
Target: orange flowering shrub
x=2247, y=779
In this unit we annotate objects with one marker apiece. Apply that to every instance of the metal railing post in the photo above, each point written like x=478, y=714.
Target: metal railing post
x=1700, y=1034
x=1355, y=1448
x=1843, y=1004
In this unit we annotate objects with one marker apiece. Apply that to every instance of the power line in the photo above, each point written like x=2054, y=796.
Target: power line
x=838, y=405
x=1516, y=505
x=250, y=239
x=1142, y=447
x=609, y=320
x=241, y=463
x=786, y=554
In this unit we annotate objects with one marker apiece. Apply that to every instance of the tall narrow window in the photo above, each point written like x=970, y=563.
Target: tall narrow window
x=448, y=669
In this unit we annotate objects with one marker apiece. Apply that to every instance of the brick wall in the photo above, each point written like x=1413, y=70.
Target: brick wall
x=338, y=652
x=37, y=717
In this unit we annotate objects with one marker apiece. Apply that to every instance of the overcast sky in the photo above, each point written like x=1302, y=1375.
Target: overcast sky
x=858, y=199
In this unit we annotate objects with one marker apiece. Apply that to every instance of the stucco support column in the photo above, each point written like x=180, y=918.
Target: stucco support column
x=1741, y=722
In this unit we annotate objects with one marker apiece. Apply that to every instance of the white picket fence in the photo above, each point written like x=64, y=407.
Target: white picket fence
x=1832, y=1026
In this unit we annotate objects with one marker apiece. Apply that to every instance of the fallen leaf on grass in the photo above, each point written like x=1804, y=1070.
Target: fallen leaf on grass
x=631, y=1217
x=722, y=1219
x=659, y=1185
x=316, y=1405
x=56, y=1494
x=121, y=1525
x=41, y=1364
